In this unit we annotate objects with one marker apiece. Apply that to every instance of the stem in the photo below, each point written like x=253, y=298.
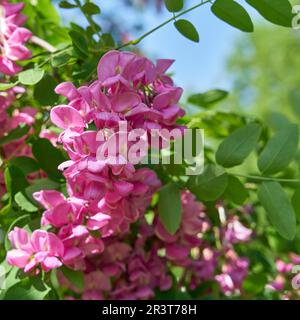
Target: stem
x=42, y=43
x=260, y=178
x=174, y=17
x=88, y=18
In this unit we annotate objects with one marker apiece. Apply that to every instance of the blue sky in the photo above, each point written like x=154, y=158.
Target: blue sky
x=199, y=66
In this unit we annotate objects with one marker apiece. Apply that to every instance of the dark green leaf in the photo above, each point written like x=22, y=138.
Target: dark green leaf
x=187, y=29
x=40, y=184
x=174, y=5
x=67, y=5
x=169, y=207
x=15, y=134
x=237, y=146
x=275, y=11
x=296, y=203
x=233, y=13
x=79, y=42
x=207, y=99
x=26, y=164
x=44, y=91
x=48, y=157
x=15, y=180
x=75, y=277
x=279, y=209
x=236, y=192
x=90, y=8
x=209, y=185
x=31, y=76
x=279, y=151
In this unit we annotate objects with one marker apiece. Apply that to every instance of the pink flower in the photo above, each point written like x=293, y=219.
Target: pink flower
x=235, y=232
x=12, y=37
x=42, y=248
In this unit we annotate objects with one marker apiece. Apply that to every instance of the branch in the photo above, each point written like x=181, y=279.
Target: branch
x=42, y=43
x=174, y=17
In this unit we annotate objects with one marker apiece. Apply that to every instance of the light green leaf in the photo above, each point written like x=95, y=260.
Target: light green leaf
x=169, y=207
x=174, y=5
x=24, y=203
x=279, y=151
x=31, y=76
x=275, y=11
x=6, y=86
x=36, y=290
x=233, y=13
x=238, y=145
x=187, y=29
x=209, y=185
x=279, y=209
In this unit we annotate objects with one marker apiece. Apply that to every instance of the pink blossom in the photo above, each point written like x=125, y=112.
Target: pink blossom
x=12, y=38
x=41, y=247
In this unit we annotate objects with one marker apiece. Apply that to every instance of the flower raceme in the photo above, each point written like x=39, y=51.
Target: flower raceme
x=12, y=37
x=92, y=228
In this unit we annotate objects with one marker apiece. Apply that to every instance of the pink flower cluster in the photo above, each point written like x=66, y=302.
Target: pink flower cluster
x=286, y=278
x=12, y=37
x=100, y=229
x=134, y=266
x=104, y=200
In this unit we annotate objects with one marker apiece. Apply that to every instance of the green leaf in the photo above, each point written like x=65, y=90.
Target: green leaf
x=31, y=76
x=26, y=164
x=15, y=180
x=238, y=145
x=279, y=151
x=279, y=209
x=296, y=203
x=90, y=8
x=169, y=207
x=44, y=91
x=75, y=277
x=40, y=184
x=207, y=99
x=60, y=60
x=35, y=290
x=174, y=5
x=6, y=86
x=48, y=157
x=79, y=41
x=187, y=29
x=15, y=134
x=233, y=13
x=236, y=192
x=275, y=11
x=67, y=5
x=24, y=203
x=209, y=185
